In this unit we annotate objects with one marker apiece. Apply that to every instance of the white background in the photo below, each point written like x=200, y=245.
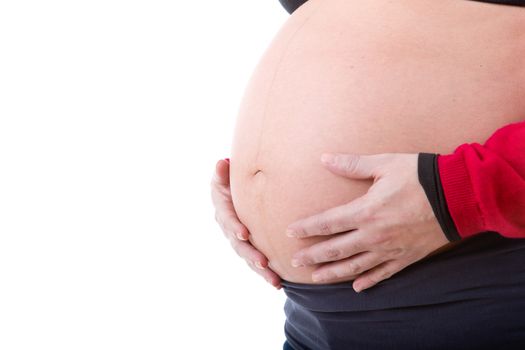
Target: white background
x=112, y=117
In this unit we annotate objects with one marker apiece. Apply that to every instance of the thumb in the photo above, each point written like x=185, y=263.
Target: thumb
x=354, y=165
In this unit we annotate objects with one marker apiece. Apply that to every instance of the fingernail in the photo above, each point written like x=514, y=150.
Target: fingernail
x=227, y=159
x=291, y=233
x=296, y=263
x=259, y=265
x=328, y=158
x=358, y=288
x=240, y=236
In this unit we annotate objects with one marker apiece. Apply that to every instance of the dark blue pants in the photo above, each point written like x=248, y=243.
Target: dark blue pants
x=470, y=297
x=287, y=346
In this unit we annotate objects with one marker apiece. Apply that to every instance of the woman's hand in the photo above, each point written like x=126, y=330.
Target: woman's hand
x=378, y=234
x=231, y=226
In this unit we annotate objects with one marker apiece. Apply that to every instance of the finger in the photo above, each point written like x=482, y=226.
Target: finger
x=334, y=220
x=354, y=165
x=346, y=269
x=377, y=274
x=337, y=248
x=270, y=276
x=221, y=176
x=230, y=224
x=248, y=252
x=225, y=214
x=256, y=260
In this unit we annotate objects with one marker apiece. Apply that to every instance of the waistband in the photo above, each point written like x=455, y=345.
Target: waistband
x=468, y=270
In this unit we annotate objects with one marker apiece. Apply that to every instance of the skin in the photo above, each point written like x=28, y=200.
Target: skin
x=392, y=226
x=232, y=227
x=378, y=234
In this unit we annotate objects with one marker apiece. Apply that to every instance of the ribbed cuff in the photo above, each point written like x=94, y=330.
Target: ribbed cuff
x=459, y=194
x=429, y=179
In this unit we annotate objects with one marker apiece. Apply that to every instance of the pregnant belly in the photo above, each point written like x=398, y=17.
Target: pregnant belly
x=366, y=77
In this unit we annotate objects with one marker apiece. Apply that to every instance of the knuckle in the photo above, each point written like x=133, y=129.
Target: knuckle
x=323, y=225
x=378, y=238
x=351, y=164
x=307, y=258
x=397, y=252
x=332, y=253
x=331, y=275
x=397, y=223
x=374, y=279
x=366, y=214
x=340, y=217
x=383, y=224
x=354, y=268
x=387, y=241
x=384, y=274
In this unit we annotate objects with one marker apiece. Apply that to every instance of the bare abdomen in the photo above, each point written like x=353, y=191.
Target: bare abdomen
x=366, y=77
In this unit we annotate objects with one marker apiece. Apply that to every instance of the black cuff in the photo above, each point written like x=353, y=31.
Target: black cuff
x=428, y=173
x=291, y=5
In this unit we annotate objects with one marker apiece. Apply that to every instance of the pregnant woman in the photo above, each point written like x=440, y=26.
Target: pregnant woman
x=404, y=81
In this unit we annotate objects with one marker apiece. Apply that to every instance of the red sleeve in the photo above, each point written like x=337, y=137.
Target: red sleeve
x=484, y=185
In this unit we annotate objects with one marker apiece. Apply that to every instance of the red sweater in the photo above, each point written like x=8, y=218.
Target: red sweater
x=484, y=185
